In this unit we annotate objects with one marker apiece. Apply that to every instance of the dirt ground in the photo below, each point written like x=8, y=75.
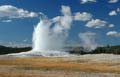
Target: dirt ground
x=102, y=65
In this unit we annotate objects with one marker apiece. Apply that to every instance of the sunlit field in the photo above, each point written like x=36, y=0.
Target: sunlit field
x=84, y=66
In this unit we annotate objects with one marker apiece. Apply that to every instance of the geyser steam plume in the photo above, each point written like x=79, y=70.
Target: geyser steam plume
x=50, y=34
x=45, y=39
x=88, y=40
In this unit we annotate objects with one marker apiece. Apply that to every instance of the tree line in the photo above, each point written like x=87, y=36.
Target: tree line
x=72, y=50
x=7, y=50
x=105, y=49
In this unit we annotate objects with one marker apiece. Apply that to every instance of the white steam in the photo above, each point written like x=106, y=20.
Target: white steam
x=48, y=36
x=51, y=34
x=88, y=40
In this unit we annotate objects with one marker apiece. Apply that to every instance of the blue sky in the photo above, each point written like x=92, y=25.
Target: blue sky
x=17, y=28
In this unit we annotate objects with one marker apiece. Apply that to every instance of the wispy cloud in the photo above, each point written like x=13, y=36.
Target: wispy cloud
x=111, y=25
x=14, y=44
x=64, y=22
x=114, y=12
x=82, y=16
x=113, y=1
x=14, y=12
x=25, y=40
x=7, y=20
x=86, y=1
x=113, y=33
x=97, y=23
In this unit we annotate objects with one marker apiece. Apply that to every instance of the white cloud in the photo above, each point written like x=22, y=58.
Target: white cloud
x=64, y=22
x=77, y=16
x=14, y=12
x=14, y=44
x=25, y=40
x=118, y=10
x=97, y=23
x=112, y=13
x=113, y=1
x=113, y=33
x=82, y=16
x=6, y=20
x=85, y=1
x=111, y=25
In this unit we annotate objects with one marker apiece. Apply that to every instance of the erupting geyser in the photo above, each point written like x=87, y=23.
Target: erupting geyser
x=46, y=41
x=50, y=35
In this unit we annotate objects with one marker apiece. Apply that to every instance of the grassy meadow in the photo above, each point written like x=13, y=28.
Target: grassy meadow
x=58, y=67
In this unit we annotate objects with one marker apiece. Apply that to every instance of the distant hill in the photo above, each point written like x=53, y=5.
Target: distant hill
x=7, y=50
x=2, y=46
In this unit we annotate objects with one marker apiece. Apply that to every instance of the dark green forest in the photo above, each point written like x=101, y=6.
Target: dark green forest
x=105, y=49
x=72, y=50
x=7, y=50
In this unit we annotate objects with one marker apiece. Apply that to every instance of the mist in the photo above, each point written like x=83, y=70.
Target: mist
x=88, y=41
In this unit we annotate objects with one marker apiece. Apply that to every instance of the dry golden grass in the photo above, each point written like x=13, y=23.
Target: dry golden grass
x=56, y=63
x=20, y=64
